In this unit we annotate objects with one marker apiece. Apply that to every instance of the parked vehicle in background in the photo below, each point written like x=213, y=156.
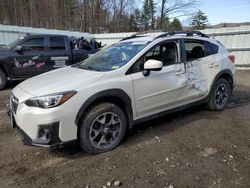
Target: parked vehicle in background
x=141, y=77
x=35, y=54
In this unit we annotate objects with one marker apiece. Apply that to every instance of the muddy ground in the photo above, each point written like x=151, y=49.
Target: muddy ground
x=192, y=148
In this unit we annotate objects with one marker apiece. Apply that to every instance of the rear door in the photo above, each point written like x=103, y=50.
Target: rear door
x=202, y=65
x=59, y=52
x=161, y=90
x=30, y=61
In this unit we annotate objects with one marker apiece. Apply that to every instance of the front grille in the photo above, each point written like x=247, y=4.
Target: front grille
x=14, y=103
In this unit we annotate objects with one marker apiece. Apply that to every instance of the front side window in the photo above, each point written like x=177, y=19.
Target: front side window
x=36, y=44
x=112, y=57
x=57, y=43
x=167, y=53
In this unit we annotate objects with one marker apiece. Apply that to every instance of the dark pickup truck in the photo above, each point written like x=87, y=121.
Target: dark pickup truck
x=35, y=54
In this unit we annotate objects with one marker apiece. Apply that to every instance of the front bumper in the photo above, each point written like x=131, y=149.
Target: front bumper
x=42, y=127
x=52, y=139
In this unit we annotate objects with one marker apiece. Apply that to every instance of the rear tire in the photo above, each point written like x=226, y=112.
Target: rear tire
x=3, y=80
x=219, y=95
x=102, y=129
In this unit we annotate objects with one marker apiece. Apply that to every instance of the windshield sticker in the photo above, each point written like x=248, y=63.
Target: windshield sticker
x=61, y=58
x=139, y=43
x=115, y=67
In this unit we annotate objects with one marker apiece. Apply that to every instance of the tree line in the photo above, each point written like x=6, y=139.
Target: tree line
x=99, y=16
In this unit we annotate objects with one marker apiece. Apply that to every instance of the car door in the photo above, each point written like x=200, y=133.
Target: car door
x=58, y=54
x=201, y=65
x=29, y=60
x=161, y=90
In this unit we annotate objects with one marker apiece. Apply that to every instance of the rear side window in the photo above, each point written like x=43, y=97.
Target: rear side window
x=199, y=49
x=57, y=43
x=35, y=44
x=194, y=50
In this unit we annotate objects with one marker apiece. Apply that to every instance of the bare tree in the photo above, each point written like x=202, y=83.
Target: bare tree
x=94, y=16
x=176, y=8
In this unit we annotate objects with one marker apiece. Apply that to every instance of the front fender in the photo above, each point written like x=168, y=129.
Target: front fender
x=111, y=95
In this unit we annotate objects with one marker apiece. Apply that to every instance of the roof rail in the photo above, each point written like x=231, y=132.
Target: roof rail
x=188, y=33
x=138, y=34
x=134, y=35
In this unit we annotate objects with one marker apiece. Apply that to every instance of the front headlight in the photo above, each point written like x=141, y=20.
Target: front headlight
x=50, y=101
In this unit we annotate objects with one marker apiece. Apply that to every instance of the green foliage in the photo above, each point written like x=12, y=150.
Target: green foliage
x=165, y=25
x=176, y=25
x=137, y=24
x=199, y=20
x=148, y=14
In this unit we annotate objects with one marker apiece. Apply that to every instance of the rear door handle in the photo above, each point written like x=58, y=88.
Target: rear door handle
x=212, y=65
x=179, y=73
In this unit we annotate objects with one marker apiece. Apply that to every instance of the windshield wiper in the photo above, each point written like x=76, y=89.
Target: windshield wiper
x=89, y=68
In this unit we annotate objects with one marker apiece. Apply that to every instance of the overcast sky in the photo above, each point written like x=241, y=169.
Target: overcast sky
x=219, y=11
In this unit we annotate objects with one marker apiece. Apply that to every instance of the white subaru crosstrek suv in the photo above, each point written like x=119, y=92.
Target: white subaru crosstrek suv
x=139, y=78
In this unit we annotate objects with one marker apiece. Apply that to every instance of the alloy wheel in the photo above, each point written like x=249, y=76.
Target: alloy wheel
x=221, y=95
x=105, y=130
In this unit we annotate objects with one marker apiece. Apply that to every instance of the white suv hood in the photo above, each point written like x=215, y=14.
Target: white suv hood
x=63, y=79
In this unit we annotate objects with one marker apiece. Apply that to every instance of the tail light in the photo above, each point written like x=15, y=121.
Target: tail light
x=232, y=58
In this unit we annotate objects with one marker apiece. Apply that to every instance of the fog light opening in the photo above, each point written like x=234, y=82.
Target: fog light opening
x=44, y=134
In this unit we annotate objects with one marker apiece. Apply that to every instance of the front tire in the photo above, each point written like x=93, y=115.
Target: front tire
x=3, y=80
x=103, y=128
x=219, y=96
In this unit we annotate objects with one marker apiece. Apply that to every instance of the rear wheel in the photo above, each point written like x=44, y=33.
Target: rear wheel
x=103, y=128
x=219, y=95
x=3, y=80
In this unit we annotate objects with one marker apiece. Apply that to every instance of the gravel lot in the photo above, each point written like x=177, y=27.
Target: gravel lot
x=192, y=148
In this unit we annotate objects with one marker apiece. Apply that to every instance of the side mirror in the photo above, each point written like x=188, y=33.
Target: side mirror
x=151, y=65
x=18, y=48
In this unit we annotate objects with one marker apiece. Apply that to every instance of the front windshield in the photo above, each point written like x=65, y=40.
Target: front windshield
x=112, y=57
x=12, y=44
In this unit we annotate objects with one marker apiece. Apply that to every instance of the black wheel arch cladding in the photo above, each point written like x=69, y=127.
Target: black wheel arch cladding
x=115, y=96
x=225, y=74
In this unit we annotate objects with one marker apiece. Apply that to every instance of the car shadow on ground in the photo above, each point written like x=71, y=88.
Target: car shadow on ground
x=152, y=126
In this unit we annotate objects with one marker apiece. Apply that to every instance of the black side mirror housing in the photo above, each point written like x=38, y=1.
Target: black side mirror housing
x=146, y=73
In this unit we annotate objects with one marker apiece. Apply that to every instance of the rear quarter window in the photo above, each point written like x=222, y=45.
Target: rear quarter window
x=210, y=48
